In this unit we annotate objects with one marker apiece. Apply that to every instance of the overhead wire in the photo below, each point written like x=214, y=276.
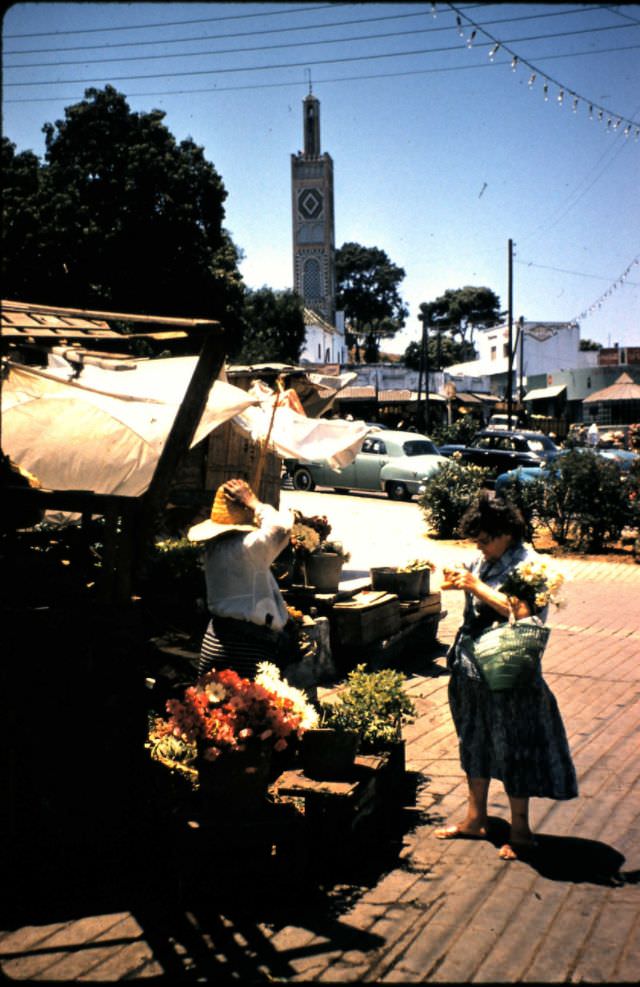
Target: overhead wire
x=325, y=81
x=285, y=30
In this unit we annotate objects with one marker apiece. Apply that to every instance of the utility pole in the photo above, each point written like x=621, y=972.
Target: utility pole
x=510, y=338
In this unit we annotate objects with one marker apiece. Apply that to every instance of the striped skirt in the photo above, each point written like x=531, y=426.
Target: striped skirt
x=237, y=644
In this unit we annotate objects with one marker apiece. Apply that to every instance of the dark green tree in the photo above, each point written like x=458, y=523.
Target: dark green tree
x=129, y=219
x=443, y=352
x=367, y=291
x=590, y=344
x=461, y=311
x=21, y=229
x=273, y=327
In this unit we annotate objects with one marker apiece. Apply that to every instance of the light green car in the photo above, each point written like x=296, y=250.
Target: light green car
x=394, y=462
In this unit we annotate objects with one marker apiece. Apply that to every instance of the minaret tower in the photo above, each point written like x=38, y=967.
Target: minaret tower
x=313, y=224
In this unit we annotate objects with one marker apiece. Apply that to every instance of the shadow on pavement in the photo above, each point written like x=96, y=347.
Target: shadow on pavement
x=569, y=858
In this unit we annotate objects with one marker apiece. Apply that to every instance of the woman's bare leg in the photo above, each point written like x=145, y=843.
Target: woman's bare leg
x=520, y=835
x=475, y=821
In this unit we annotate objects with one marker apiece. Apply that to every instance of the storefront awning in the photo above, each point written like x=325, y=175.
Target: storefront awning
x=545, y=392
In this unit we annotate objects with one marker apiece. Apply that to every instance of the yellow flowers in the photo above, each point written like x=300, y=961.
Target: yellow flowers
x=536, y=581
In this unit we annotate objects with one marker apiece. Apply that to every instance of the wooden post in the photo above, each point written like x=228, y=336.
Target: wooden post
x=182, y=431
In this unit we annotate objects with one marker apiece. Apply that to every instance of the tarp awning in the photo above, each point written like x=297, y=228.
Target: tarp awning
x=545, y=392
x=105, y=430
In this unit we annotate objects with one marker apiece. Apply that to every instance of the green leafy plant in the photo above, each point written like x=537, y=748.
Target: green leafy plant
x=448, y=491
x=373, y=705
x=584, y=501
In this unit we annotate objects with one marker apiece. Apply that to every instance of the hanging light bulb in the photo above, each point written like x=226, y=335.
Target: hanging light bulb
x=626, y=131
x=609, y=124
x=590, y=111
x=574, y=105
x=460, y=31
x=470, y=38
x=514, y=63
x=560, y=97
x=434, y=12
x=494, y=51
x=600, y=114
x=532, y=79
x=637, y=134
x=545, y=90
x=617, y=124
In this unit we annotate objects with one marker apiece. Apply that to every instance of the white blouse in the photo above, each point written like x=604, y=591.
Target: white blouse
x=238, y=574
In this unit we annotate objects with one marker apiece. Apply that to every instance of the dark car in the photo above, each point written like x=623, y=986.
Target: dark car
x=527, y=474
x=499, y=450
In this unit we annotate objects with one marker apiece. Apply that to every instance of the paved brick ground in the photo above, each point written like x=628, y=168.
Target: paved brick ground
x=402, y=906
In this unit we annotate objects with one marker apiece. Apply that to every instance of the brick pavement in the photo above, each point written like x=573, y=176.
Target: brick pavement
x=418, y=909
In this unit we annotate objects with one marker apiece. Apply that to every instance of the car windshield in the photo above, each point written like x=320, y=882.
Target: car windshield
x=419, y=447
x=541, y=444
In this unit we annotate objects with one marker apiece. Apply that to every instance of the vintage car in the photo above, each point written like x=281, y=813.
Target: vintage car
x=499, y=450
x=394, y=462
x=623, y=458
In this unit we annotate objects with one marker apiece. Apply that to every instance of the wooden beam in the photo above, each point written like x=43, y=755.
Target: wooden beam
x=190, y=412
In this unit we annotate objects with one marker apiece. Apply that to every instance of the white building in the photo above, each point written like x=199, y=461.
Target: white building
x=538, y=348
x=323, y=343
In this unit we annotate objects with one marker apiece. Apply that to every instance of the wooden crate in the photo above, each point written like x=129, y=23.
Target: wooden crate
x=413, y=611
x=369, y=616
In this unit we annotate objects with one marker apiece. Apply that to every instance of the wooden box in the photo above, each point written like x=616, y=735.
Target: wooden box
x=413, y=611
x=369, y=616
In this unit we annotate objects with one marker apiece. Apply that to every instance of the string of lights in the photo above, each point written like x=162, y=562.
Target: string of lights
x=607, y=294
x=596, y=112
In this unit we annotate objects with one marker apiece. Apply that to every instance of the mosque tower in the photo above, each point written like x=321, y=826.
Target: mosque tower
x=314, y=277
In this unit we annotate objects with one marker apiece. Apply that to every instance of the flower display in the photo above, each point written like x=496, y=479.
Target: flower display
x=225, y=712
x=536, y=581
x=304, y=540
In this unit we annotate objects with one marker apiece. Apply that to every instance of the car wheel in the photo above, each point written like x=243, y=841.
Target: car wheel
x=397, y=491
x=302, y=479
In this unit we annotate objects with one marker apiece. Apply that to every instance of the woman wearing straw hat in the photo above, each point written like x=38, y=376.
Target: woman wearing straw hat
x=243, y=537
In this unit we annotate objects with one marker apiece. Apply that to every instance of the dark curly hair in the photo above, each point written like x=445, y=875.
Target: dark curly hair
x=492, y=516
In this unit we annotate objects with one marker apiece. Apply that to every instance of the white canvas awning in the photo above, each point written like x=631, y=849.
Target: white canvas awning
x=545, y=392
x=104, y=431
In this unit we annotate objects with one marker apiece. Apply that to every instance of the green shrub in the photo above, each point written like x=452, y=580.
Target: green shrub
x=584, y=501
x=460, y=432
x=448, y=491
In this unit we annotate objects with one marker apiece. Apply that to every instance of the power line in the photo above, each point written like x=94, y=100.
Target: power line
x=295, y=44
x=198, y=20
x=284, y=30
x=326, y=81
x=285, y=65
x=579, y=274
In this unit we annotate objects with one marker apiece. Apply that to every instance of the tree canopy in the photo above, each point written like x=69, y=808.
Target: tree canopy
x=120, y=215
x=443, y=351
x=367, y=284
x=274, y=327
x=461, y=311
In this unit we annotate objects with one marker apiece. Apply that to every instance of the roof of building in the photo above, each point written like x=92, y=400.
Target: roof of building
x=624, y=389
x=311, y=318
x=545, y=392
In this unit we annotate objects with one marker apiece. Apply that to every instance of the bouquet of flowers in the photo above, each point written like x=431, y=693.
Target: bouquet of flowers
x=309, y=533
x=224, y=712
x=537, y=582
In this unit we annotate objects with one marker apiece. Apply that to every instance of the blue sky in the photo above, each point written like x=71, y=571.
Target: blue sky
x=443, y=149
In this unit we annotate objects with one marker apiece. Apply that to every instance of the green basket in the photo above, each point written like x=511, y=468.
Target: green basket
x=508, y=656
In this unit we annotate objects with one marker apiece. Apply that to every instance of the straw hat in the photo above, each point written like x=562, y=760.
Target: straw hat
x=226, y=516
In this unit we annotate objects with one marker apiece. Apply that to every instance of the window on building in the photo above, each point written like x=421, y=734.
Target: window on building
x=505, y=349
x=319, y=351
x=311, y=281
x=327, y=355
x=494, y=352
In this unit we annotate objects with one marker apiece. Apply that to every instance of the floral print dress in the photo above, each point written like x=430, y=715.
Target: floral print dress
x=516, y=736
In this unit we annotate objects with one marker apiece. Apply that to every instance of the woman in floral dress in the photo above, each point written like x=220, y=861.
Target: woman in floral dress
x=515, y=736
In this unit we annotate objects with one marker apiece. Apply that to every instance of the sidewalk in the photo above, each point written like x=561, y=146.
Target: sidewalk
x=408, y=907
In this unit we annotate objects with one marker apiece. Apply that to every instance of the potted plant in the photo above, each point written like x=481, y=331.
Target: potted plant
x=408, y=582
x=226, y=728
x=320, y=560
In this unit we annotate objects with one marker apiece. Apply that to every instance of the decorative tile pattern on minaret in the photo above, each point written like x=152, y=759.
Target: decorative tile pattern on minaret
x=313, y=218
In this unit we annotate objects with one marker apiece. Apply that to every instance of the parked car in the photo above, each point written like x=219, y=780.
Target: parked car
x=450, y=449
x=526, y=474
x=501, y=422
x=499, y=450
x=394, y=462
